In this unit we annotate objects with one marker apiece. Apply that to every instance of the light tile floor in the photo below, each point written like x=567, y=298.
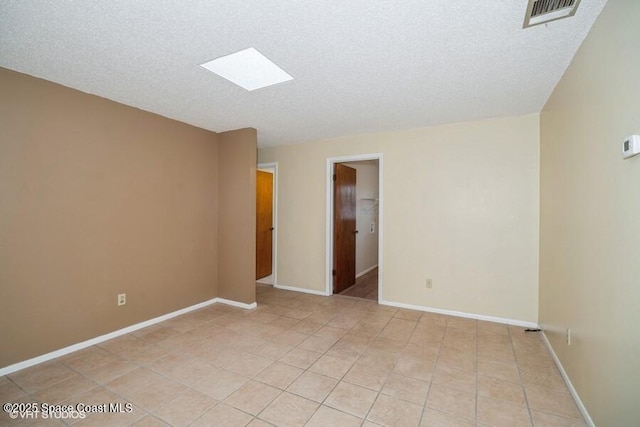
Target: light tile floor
x=301, y=359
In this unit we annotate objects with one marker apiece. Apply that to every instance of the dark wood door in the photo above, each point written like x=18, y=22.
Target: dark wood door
x=264, y=224
x=344, y=227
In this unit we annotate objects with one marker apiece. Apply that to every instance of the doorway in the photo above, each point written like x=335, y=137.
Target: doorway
x=266, y=223
x=354, y=226
x=344, y=227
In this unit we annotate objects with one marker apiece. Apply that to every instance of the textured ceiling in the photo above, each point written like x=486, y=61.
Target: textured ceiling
x=359, y=65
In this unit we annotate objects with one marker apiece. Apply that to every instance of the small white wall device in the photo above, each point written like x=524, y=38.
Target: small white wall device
x=631, y=146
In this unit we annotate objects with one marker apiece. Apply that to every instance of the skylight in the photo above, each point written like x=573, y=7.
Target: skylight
x=248, y=69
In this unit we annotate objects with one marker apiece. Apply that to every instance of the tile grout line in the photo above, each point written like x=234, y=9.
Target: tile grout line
x=364, y=418
x=435, y=365
x=477, y=386
x=396, y=362
x=320, y=404
x=333, y=388
x=524, y=390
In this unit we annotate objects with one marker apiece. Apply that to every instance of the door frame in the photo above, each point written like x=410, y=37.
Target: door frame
x=273, y=167
x=329, y=216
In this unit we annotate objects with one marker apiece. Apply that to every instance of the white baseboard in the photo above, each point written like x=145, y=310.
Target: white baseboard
x=362, y=273
x=503, y=320
x=303, y=290
x=237, y=304
x=267, y=280
x=97, y=340
x=572, y=390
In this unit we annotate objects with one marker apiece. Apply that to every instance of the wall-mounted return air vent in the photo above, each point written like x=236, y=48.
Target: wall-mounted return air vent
x=541, y=11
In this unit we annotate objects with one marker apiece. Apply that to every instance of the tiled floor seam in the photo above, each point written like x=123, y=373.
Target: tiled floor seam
x=435, y=365
x=476, y=376
x=524, y=389
x=307, y=370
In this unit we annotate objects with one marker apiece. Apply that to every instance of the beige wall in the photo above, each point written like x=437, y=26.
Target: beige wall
x=237, y=216
x=96, y=199
x=590, y=218
x=460, y=207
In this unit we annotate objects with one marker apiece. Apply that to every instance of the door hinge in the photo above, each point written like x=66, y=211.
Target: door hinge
x=334, y=177
x=334, y=272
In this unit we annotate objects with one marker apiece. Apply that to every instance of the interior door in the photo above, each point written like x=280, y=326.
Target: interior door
x=344, y=227
x=264, y=224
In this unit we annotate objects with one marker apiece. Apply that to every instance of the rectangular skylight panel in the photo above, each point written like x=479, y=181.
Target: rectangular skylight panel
x=248, y=69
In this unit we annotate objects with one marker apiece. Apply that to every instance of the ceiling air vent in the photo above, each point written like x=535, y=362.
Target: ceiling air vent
x=542, y=11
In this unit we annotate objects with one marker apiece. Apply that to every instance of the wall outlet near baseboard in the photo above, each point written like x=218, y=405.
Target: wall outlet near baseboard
x=122, y=299
x=429, y=284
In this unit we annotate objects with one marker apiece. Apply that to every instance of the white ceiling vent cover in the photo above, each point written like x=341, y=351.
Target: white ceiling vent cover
x=541, y=11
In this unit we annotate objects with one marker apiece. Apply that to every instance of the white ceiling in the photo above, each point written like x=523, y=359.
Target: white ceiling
x=359, y=65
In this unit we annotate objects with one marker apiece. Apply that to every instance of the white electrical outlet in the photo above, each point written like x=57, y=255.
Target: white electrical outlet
x=568, y=336
x=631, y=146
x=429, y=284
x=372, y=227
x=122, y=299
